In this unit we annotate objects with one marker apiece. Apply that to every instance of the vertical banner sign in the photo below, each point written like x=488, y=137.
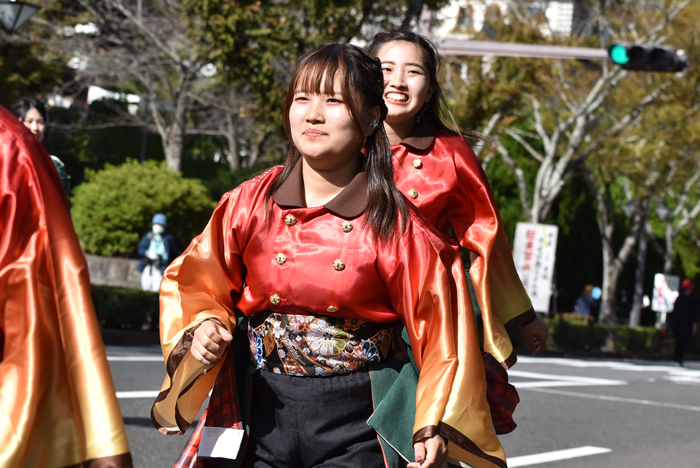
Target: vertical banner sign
x=665, y=292
x=534, y=253
x=664, y=296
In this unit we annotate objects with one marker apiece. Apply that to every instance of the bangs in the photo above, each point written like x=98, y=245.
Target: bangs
x=316, y=74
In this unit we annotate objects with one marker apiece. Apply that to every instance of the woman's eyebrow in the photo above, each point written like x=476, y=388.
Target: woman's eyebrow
x=413, y=64
x=332, y=93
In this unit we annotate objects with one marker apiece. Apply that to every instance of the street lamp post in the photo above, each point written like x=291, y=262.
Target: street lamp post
x=14, y=14
x=662, y=211
x=628, y=208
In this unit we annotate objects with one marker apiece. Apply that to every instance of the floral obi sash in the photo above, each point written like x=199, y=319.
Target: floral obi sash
x=306, y=345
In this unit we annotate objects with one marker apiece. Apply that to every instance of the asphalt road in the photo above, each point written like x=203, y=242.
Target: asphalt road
x=574, y=413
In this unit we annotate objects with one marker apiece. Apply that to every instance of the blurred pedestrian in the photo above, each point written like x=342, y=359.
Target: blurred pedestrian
x=32, y=113
x=58, y=406
x=585, y=304
x=684, y=319
x=157, y=249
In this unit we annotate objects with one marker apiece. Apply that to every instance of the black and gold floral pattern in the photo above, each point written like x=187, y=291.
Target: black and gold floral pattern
x=307, y=345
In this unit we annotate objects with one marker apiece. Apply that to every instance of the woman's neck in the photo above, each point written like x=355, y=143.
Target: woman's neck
x=399, y=131
x=322, y=186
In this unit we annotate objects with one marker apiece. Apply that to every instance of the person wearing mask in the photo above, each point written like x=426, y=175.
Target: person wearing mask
x=684, y=319
x=157, y=249
x=586, y=304
x=32, y=113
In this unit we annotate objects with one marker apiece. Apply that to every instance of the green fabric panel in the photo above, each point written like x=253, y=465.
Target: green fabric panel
x=394, y=416
x=395, y=403
x=383, y=378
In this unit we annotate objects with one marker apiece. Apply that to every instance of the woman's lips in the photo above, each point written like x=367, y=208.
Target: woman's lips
x=313, y=133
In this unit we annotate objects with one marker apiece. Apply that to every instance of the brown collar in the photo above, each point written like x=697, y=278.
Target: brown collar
x=423, y=136
x=349, y=203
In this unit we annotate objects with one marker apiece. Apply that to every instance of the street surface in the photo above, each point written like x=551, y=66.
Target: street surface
x=574, y=413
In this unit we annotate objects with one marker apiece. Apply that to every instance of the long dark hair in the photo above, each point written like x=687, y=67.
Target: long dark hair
x=362, y=88
x=22, y=106
x=437, y=110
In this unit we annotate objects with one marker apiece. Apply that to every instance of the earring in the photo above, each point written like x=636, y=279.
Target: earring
x=374, y=126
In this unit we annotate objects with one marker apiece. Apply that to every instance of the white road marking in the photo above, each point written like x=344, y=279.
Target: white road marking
x=546, y=457
x=552, y=380
x=138, y=394
x=614, y=398
x=684, y=379
x=136, y=358
x=623, y=366
x=677, y=375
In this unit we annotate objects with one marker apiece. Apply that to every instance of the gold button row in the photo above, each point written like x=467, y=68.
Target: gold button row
x=291, y=220
x=275, y=300
x=338, y=264
x=413, y=193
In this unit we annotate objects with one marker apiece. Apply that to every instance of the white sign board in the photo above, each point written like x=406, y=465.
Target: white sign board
x=665, y=292
x=534, y=252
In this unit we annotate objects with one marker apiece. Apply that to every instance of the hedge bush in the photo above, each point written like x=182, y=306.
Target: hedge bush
x=125, y=308
x=570, y=331
x=577, y=332
x=114, y=207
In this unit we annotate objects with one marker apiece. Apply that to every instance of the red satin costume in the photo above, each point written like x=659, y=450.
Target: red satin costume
x=58, y=407
x=331, y=269
x=441, y=175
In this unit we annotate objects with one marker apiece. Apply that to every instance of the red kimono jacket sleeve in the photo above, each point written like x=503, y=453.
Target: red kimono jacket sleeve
x=430, y=293
x=58, y=406
x=446, y=182
x=478, y=227
x=199, y=285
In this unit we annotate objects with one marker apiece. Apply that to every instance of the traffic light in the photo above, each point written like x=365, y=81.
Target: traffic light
x=648, y=57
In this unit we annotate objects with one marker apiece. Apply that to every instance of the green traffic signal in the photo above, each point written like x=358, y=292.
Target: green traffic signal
x=618, y=54
x=648, y=57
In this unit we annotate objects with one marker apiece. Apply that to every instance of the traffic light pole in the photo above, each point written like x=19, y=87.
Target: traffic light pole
x=634, y=57
x=511, y=49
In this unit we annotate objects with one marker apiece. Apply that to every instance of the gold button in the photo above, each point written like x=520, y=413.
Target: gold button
x=281, y=258
x=332, y=309
x=417, y=163
x=413, y=193
x=275, y=299
x=339, y=265
x=290, y=220
x=346, y=226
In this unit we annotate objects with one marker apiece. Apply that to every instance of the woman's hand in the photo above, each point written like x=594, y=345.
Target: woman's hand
x=430, y=453
x=536, y=335
x=209, y=342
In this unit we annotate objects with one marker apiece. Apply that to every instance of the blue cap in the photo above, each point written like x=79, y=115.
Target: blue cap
x=159, y=218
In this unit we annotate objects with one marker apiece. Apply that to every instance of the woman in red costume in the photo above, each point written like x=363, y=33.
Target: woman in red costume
x=310, y=266
x=58, y=407
x=438, y=171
